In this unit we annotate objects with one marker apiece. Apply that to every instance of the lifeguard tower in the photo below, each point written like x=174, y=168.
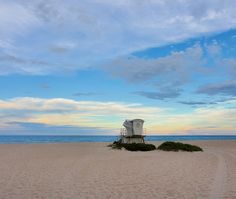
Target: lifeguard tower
x=133, y=131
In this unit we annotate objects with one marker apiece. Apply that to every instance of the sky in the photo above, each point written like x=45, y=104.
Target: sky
x=81, y=67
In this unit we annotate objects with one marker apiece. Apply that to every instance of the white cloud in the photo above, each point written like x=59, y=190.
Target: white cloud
x=207, y=120
x=105, y=29
x=61, y=104
x=110, y=115
x=59, y=111
x=15, y=20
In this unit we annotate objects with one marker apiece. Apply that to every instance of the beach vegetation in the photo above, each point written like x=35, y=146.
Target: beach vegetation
x=178, y=146
x=132, y=146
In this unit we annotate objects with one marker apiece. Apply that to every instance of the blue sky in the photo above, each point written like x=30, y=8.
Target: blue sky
x=82, y=67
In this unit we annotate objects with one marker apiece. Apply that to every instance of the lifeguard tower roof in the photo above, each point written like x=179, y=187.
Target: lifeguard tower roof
x=134, y=127
x=133, y=131
x=136, y=120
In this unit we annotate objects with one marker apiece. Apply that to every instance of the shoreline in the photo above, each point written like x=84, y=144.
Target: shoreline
x=109, y=142
x=35, y=139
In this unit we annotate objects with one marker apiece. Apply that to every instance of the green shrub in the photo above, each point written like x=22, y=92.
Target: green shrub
x=178, y=146
x=133, y=146
x=139, y=147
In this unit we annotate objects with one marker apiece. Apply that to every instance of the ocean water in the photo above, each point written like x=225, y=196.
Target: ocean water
x=5, y=139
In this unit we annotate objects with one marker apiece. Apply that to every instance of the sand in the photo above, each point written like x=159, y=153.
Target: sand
x=91, y=170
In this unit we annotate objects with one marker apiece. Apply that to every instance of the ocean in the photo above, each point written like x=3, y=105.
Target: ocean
x=23, y=139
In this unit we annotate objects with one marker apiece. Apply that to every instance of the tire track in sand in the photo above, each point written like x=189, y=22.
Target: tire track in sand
x=219, y=184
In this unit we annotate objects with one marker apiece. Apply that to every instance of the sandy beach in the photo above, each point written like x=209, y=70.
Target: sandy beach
x=92, y=170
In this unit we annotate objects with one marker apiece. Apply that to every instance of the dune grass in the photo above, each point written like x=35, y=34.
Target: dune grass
x=166, y=146
x=132, y=146
x=178, y=146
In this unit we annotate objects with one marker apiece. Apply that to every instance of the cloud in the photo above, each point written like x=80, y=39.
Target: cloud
x=196, y=103
x=224, y=88
x=61, y=104
x=85, y=94
x=13, y=64
x=19, y=60
x=207, y=102
x=230, y=64
x=53, y=114
x=214, y=49
x=59, y=111
x=62, y=47
x=102, y=29
x=170, y=71
x=28, y=128
x=199, y=121
x=13, y=26
x=167, y=94
x=45, y=86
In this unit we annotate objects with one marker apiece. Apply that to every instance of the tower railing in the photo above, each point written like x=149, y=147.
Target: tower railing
x=123, y=132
